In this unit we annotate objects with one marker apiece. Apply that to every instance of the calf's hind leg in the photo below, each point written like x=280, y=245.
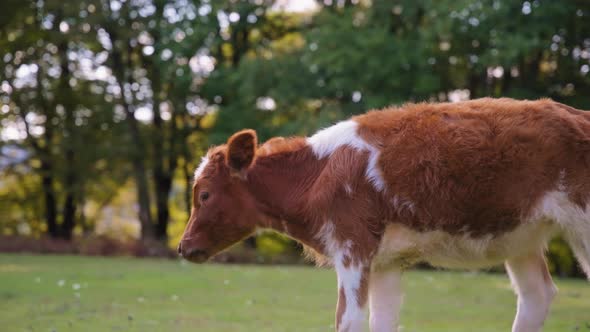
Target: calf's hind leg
x=534, y=288
x=385, y=298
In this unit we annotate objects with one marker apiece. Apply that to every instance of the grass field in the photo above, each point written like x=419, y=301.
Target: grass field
x=63, y=293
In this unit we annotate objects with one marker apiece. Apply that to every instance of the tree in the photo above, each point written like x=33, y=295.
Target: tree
x=53, y=105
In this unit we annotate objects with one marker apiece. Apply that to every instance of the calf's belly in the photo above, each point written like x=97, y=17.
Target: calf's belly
x=402, y=246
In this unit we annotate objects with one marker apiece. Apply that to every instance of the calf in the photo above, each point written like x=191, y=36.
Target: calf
x=456, y=185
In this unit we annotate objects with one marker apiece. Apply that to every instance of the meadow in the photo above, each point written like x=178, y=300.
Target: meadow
x=68, y=293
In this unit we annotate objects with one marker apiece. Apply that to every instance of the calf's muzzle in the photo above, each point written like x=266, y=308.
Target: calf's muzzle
x=191, y=253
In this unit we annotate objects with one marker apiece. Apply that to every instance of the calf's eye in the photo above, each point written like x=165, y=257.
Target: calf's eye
x=203, y=196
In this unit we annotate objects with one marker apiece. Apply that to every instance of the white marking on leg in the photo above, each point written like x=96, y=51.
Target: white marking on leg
x=349, y=279
x=201, y=168
x=328, y=140
x=535, y=289
x=385, y=299
x=333, y=249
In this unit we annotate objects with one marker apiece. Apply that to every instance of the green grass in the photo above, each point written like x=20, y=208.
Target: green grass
x=64, y=293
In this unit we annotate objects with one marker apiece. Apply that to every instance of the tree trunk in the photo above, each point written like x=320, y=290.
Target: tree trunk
x=162, y=176
x=163, y=185
x=188, y=189
x=188, y=158
x=164, y=160
x=65, y=95
x=69, y=217
x=82, y=220
x=139, y=153
x=143, y=198
x=45, y=156
x=49, y=197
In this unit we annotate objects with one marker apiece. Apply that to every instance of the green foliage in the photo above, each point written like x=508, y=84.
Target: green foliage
x=561, y=259
x=271, y=244
x=101, y=92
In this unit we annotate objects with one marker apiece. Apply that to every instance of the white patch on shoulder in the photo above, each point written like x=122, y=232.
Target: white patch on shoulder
x=328, y=140
x=201, y=168
x=373, y=172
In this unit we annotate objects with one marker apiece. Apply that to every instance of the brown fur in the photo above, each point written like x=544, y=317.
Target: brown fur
x=362, y=293
x=278, y=145
x=241, y=149
x=463, y=165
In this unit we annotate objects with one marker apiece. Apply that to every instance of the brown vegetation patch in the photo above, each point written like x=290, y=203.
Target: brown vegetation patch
x=88, y=246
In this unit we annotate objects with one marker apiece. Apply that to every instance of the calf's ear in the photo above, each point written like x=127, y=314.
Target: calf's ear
x=241, y=150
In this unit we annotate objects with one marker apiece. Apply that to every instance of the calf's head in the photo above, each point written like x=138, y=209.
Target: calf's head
x=224, y=211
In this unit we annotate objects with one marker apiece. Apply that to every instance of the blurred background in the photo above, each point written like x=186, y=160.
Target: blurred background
x=106, y=106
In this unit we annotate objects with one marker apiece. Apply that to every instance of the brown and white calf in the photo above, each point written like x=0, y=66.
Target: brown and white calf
x=456, y=185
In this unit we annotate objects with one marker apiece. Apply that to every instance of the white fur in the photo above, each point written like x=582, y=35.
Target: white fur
x=401, y=204
x=334, y=250
x=556, y=205
x=201, y=168
x=373, y=173
x=534, y=291
x=349, y=278
x=573, y=219
x=403, y=246
x=348, y=189
x=328, y=140
x=385, y=299
x=326, y=236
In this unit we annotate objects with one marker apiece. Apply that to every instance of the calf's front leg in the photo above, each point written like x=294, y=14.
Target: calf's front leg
x=352, y=297
x=535, y=289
